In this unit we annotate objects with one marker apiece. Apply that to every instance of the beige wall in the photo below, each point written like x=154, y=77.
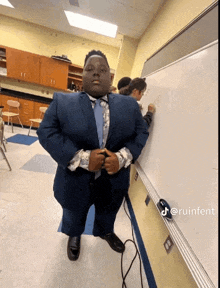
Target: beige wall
x=169, y=269
x=40, y=40
x=126, y=58
x=172, y=17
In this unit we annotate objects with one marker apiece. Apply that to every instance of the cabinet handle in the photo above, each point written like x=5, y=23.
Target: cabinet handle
x=51, y=81
x=24, y=75
x=21, y=74
x=54, y=82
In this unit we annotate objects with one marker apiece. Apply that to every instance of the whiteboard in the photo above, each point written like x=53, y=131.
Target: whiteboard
x=180, y=157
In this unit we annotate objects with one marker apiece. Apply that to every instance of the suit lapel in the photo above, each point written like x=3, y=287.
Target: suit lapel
x=87, y=110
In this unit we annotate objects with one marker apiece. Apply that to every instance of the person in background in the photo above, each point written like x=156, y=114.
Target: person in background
x=136, y=89
x=94, y=136
x=123, y=82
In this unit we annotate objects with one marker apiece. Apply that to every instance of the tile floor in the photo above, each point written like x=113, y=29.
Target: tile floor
x=33, y=253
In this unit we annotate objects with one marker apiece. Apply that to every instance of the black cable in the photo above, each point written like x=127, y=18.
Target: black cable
x=137, y=253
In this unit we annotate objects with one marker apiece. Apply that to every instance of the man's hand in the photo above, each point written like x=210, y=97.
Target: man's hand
x=151, y=108
x=96, y=159
x=111, y=162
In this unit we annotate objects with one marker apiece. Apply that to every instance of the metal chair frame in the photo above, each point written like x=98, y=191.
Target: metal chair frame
x=2, y=143
x=10, y=115
x=37, y=120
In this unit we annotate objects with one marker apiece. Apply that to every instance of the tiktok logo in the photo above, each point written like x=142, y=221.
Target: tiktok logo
x=164, y=212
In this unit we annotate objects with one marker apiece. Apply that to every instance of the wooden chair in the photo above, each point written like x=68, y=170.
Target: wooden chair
x=1, y=142
x=12, y=104
x=38, y=120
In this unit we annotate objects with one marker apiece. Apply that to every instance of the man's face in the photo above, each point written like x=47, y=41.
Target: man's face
x=96, y=77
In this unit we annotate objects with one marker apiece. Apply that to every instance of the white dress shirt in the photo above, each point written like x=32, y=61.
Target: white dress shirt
x=81, y=158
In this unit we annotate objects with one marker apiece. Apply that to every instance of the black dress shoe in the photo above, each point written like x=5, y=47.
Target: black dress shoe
x=73, y=248
x=114, y=242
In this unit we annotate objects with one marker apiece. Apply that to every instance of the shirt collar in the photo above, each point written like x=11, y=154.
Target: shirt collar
x=104, y=98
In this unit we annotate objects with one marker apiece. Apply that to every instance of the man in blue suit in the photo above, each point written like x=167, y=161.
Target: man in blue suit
x=94, y=136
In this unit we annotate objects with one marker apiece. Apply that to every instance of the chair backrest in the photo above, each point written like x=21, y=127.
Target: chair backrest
x=43, y=109
x=13, y=103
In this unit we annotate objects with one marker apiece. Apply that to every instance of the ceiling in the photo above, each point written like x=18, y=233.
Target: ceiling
x=131, y=16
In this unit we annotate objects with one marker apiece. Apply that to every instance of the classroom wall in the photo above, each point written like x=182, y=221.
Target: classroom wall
x=126, y=58
x=44, y=41
x=173, y=16
x=169, y=269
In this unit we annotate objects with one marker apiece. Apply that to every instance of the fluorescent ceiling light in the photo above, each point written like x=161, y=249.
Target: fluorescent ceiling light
x=91, y=24
x=6, y=3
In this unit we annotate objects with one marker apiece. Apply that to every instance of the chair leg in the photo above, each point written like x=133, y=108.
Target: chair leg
x=29, y=129
x=4, y=146
x=11, y=124
x=4, y=156
x=20, y=121
x=4, y=139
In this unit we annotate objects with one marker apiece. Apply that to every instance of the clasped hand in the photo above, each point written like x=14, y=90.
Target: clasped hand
x=97, y=161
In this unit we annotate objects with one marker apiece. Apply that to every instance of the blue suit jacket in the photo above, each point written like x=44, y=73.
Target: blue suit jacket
x=69, y=125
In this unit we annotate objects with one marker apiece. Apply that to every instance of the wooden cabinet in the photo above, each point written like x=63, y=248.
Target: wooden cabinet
x=40, y=70
x=23, y=65
x=28, y=109
x=53, y=73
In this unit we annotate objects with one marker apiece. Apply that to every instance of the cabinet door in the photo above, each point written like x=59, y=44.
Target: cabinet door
x=53, y=73
x=26, y=111
x=23, y=65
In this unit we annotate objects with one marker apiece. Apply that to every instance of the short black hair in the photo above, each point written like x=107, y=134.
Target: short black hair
x=136, y=83
x=96, y=52
x=123, y=82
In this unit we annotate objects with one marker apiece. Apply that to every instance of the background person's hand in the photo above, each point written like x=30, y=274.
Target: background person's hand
x=96, y=159
x=151, y=108
x=111, y=162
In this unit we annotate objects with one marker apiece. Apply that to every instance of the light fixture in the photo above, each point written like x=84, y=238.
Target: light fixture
x=6, y=3
x=91, y=24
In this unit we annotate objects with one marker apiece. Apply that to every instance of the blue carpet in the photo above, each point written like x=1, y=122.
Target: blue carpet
x=22, y=139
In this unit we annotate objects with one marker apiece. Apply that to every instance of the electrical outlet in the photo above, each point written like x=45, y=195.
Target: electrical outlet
x=168, y=244
x=136, y=176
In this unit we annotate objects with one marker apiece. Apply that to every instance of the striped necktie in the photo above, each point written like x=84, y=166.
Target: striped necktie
x=99, y=124
x=98, y=110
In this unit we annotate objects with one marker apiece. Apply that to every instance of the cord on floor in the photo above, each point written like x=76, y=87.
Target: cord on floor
x=137, y=253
